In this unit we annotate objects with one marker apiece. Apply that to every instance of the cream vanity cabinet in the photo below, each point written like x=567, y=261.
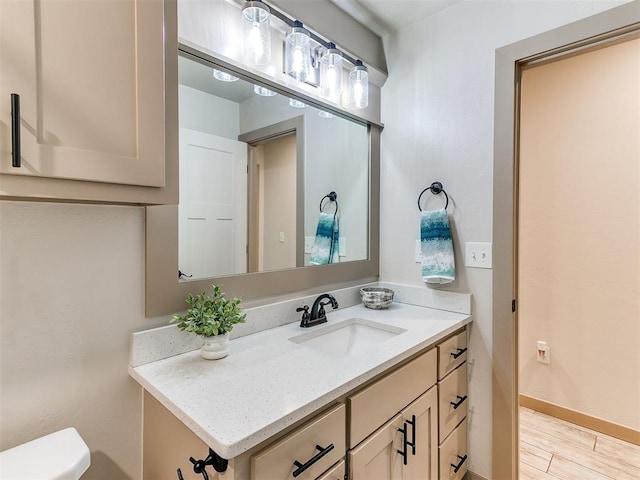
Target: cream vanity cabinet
x=401, y=425
x=452, y=408
x=406, y=446
x=82, y=101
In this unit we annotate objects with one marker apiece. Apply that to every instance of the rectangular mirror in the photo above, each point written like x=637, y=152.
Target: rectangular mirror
x=259, y=172
x=261, y=167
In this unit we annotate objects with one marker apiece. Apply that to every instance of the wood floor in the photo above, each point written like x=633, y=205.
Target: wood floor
x=551, y=449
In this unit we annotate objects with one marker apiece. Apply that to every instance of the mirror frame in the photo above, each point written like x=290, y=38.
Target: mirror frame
x=165, y=294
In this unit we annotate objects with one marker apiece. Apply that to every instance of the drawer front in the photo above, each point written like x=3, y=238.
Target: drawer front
x=335, y=473
x=453, y=454
x=451, y=353
x=277, y=460
x=377, y=403
x=453, y=400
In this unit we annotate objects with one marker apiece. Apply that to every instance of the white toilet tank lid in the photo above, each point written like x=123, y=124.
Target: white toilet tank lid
x=61, y=455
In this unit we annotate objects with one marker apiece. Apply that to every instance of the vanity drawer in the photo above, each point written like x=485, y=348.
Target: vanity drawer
x=277, y=460
x=373, y=406
x=453, y=454
x=451, y=353
x=452, y=400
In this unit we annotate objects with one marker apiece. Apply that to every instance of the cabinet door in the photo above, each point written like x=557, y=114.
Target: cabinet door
x=90, y=76
x=377, y=457
x=421, y=422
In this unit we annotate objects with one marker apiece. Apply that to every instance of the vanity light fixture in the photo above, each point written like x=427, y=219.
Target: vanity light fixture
x=223, y=76
x=297, y=52
x=296, y=103
x=358, y=86
x=331, y=73
x=257, y=32
x=307, y=57
x=263, y=91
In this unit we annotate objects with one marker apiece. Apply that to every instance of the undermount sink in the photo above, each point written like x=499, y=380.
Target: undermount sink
x=354, y=336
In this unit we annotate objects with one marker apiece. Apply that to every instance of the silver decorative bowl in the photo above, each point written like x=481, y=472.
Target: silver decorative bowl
x=377, y=298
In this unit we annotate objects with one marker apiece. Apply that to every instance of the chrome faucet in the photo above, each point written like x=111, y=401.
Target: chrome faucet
x=318, y=314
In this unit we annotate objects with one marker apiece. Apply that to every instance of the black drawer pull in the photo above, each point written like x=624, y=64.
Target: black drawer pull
x=15, y=130
x=302, y=467
x=412, y=444
x=460, y=463
x=403, y=452
x=460, y=401
x=458, y=353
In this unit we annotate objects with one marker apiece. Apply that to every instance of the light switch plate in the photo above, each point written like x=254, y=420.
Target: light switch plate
x=308, y=244
x=478, y=254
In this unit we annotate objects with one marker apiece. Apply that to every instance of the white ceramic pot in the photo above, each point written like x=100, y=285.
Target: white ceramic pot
x=215, y=347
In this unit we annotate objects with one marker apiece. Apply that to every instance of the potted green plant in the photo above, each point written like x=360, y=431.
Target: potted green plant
x=211, y=317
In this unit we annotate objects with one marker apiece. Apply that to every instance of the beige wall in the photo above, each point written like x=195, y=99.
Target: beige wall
x=71, y=292
x=579, y=239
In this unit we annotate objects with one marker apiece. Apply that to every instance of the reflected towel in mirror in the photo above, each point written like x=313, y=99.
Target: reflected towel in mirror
x=325, y=247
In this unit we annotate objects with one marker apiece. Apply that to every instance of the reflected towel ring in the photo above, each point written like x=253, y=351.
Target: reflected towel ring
x=333, y=197
x=435, y=188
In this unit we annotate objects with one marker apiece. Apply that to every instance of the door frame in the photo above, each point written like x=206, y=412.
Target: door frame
x=508, y=61
x=253, y=138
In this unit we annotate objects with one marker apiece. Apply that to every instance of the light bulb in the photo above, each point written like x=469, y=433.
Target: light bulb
x=257, y=33
x=331, y=74
x=359, y=86
x=297, y=54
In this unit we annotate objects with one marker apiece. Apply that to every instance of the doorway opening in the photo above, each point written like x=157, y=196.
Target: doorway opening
x=578, y=262
x=505, y=390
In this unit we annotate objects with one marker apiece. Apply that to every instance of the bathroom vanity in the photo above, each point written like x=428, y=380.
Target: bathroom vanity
x=371, y=390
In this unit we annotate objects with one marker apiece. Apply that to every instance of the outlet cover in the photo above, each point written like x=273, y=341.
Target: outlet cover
x=342, y=247
x=308, y=244
x=478, y=254
x=417, y=252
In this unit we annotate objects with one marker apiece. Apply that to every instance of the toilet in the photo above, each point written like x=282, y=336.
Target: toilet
x=61, y=455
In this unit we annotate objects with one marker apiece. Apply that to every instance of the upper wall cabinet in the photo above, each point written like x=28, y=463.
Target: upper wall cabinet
x=88, y=80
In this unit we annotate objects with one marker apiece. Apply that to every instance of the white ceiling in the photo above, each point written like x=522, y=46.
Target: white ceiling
x=386, y=16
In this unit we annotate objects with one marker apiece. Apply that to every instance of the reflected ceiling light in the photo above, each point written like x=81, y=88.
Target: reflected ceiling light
x=262, y=91
x=331, y=73
x=297, y=52
x=296, y=103
x=223, y=76
x=257, y=32
x=324, y=114
x=358, y=86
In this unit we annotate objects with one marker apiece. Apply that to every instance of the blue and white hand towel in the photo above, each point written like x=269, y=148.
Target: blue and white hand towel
x=438, y=262
x=325, y=247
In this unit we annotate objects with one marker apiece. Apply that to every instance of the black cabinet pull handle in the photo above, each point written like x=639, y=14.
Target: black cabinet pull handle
x=403, y=452
x=302, y=467
x=458, y=353
x=412, y=443
x=460, y=401
x=15, y=130
x=460, y=463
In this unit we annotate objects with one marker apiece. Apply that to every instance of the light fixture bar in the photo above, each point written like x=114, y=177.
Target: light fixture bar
x=325, y=43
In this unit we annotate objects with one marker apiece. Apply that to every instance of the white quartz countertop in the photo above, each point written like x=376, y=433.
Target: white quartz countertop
x=268, y=382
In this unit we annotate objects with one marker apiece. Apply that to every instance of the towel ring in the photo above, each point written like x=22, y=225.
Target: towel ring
x=333, y=197
x=435, y=188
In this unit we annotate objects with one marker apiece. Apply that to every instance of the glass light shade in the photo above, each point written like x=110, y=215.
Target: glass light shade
x=358, y=86
x=262, y=91
x=296, y=103
x=331, y=74
x=297, y=53
x=223, y=76
x=257, y=33
x=324, y=114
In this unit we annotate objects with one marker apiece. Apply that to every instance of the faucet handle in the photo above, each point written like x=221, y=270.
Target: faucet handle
x=304, y=309
x=306, y=316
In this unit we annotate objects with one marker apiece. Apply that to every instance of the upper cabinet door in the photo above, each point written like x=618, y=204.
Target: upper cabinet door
x=91, y=81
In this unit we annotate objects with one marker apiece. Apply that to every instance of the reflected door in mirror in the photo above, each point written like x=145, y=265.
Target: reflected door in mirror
x=213, y=205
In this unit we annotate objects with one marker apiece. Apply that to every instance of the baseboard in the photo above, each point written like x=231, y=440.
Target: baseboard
x=473, y=476
x=594, y=423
